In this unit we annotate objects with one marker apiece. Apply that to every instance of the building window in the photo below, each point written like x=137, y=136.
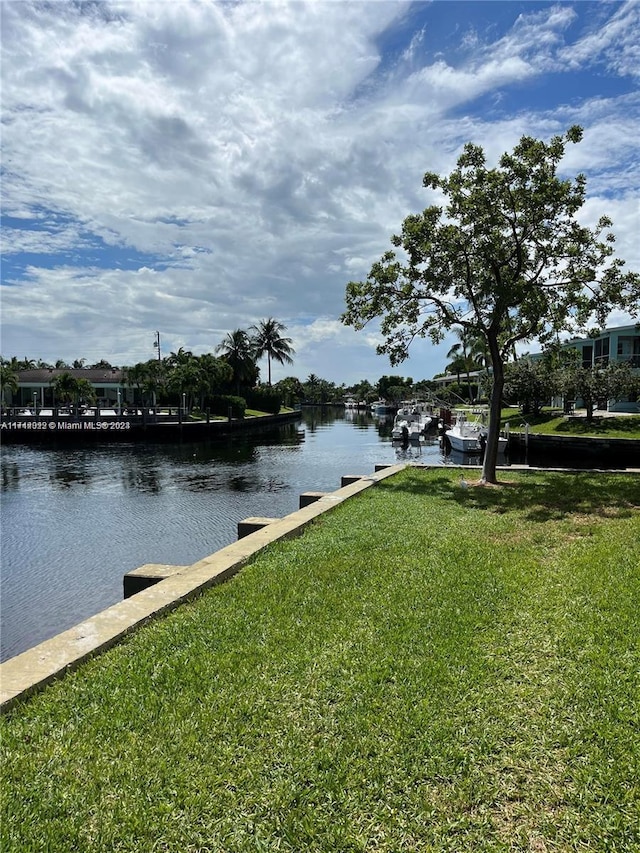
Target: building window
x=602, y=352
x=629, y=349
x=587, y=356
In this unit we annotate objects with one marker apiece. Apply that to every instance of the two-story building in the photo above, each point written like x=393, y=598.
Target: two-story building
x=618, y=344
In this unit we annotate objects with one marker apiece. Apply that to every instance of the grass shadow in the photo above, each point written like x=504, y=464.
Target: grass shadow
x=599, y=426
x=540, y=497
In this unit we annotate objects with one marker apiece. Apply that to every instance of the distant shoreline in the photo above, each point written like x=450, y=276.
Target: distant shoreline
x=33, y=429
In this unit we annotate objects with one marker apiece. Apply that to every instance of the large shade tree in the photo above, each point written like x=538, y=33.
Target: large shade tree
x=267, y=339
x=504, y=258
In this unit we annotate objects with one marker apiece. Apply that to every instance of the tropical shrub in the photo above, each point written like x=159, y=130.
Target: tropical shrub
x=265, y=399
x=221, y=403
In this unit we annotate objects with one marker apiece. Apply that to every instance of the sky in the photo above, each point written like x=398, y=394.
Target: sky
x=191, y=168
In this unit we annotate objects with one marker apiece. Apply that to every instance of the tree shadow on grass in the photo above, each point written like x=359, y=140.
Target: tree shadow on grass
x=600, y=426
x=541, y=497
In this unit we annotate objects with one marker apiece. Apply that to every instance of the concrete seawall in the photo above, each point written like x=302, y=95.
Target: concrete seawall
x=153, y=590
x=618, y=452
x=167, y=588
x=49, y=430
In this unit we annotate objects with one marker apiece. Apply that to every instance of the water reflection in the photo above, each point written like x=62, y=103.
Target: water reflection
x=408, y=452
x=76, y=519
x=360, y=418
x=141, y=481
x=9, y=476
x=64, y=475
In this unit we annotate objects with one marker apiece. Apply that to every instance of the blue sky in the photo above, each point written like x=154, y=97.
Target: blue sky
x=195, y=167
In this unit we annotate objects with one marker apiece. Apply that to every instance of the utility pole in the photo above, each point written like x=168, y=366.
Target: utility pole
x=156, y=344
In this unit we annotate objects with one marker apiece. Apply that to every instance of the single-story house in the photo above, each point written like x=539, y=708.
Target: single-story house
x=37, y=386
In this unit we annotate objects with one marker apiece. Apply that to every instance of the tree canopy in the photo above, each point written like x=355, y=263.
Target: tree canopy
x=236, y=349
x=505, y=259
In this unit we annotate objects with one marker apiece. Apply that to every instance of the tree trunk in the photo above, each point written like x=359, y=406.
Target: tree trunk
x=495, y=409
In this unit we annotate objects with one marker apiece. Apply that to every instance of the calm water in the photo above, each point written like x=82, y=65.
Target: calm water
x=75, y=520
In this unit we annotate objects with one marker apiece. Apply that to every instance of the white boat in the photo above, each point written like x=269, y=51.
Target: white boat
x=381, y=407
x=470, y=436
x=410, y=424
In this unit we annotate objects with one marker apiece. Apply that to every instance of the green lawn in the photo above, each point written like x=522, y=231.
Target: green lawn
x=551, y=423
x=433, y=666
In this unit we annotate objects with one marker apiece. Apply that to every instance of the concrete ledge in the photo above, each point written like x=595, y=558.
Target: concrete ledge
x=347, y=479
x=307, y=498
x=250, y=525
x=146, y=576
x=622, y=452
x=33, y=669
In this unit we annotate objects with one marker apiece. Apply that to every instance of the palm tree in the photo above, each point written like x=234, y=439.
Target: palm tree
x=186, y=379
x=456, y=366
x=155, y=378
x=216, y=373
x=481, y=361
x=85, y=392
x=312, y=388
x=183, y=356
x=267, y=340
x=479, y=352
x=460, y=353
x=26, y=364
x=65, y=387
x=8, y=381
x=68, y=389
x=237, y=351
x=137, y=375
x=291, y=389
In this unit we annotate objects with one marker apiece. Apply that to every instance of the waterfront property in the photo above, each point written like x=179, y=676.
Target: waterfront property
x=429, y=667
x=619, y=344
x=77, y=515
x=36, y=387
x=616, y=344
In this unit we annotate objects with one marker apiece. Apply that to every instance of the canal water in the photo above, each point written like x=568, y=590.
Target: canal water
x=76, y=519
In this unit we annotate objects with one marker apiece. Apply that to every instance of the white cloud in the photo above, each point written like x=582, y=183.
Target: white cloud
x=613, y=41
x=265, y=153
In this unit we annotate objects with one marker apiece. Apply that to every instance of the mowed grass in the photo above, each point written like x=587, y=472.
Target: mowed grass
x=431, y=667
x=550, y=423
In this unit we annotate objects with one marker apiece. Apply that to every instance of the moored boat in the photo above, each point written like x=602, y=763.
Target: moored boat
x=381, y=407
x=470, y=436
x=410, y=424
